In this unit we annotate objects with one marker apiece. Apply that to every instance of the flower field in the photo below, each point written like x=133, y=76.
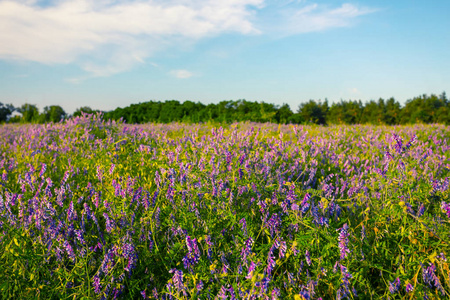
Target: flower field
x=94, y=209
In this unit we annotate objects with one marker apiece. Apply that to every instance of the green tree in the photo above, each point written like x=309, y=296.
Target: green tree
x=283, y=114
x=30, y=113
x=423, y=109
x=83, y=109
x=53, y=113
x=313, y=112
x=346, y=112
x=5, y=111
x=392, y=112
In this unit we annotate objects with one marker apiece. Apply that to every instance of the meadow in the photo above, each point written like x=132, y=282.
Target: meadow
x=94, y=209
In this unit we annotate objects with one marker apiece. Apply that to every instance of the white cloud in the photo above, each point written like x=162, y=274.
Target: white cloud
x=105, y=37
x=313, y=18
x=354, y=91
x=182, y=74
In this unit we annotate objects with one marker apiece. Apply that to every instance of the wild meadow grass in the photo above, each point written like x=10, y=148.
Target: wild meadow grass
x=93, y=209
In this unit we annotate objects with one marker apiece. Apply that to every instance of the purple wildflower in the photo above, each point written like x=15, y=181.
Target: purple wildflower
x=129, y=252
x=308, y=258
x=177, y=280
x=193, y=255
x=399, y=143
x=274, y=224
x=446, y=208
x=222, y=293
x=247, y=249
x=96, y=284
x=155, y=293
x=388, y=155
x=409, y=287
x=282, y=249
x=210, y=247
x=411, y=142
x=70, y=213
x=99, y=174
x=199, y=286
x=66, y=176
x=343, y=241
x=430, y=278
x=111, y=170
x=271, y=263
x=305, y=204
x=363, y=233
x=251, y=268
x=345, y=280
x=69, y=250
x=79, y=235
x=109, y=223
x=394, y=286
x=421, y=210
x=244, y=226
x=43, y=169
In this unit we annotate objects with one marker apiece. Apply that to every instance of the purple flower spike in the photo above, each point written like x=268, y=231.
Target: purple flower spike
x=343, y=241
x=193, y=255
x=446, y=208
x=421, y=210
x=394, y=286
x=247, y=249
x=177, y=280
x=409, y=288
x=69, y=250
x=97, y=285
x=308, y=258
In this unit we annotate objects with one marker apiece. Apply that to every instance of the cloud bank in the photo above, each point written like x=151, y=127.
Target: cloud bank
x=105, y=37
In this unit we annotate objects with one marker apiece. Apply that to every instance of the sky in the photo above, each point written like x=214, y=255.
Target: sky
x=112, y=53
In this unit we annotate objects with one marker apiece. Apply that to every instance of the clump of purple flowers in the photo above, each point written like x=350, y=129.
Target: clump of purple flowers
x=446, y=208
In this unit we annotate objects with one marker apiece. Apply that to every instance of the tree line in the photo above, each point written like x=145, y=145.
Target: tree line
x=422, y=109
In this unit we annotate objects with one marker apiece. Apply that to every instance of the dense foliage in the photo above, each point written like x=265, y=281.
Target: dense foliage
x=106, y=210
x=420, y=110
x=423, y=109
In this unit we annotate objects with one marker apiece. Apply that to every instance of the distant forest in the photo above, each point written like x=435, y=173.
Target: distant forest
x=422, y=109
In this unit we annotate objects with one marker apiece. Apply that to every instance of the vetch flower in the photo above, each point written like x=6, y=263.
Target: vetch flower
x=446, y=208
x=421, y=210
x=247, y=249
x=394, y=286
x=193, y=255
x=430, y=278
x=69, y=251
x=96, y=284
x=244, y=226
x=177, y=280
x=308, y=258
x=343, y=241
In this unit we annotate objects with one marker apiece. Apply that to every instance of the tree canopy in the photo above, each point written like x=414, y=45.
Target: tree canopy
x=422, y=109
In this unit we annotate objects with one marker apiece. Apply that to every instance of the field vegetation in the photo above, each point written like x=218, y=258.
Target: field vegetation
x=94, y=209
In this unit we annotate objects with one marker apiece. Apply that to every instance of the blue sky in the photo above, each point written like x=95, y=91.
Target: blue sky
x=110, y=53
